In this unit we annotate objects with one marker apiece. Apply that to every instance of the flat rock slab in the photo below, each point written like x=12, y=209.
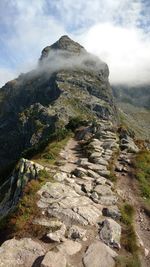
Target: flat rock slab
x=54, y=259
x=99, y=255
x=89, y=213
x=17, y=253
x=56, y=191
x=69, y=247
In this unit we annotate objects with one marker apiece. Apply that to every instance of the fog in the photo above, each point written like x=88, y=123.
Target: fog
x=58, y=60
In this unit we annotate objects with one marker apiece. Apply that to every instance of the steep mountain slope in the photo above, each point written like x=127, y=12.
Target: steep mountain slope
x=67, y=82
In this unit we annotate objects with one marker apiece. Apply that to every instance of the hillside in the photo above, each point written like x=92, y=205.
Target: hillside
x=134, y=105
x=74, y=187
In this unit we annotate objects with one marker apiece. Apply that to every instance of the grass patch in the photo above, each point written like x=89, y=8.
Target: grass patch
x=123, y=261
x=142, y=168
x=127, y=213
x=128, y=239
x=51, y=152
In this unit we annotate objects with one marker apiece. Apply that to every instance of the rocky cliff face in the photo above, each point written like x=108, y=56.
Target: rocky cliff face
x=68, y=82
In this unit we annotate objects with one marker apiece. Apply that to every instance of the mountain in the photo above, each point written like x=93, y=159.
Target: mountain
x=68, y=82
x=134, y=105
x=138, y=96
x=70, y=172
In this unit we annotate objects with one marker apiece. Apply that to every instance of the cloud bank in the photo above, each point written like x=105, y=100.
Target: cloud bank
x=116, y=31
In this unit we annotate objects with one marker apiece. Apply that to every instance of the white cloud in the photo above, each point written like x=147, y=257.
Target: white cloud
x=6, y=75
x=126, y=50
x=108, y=28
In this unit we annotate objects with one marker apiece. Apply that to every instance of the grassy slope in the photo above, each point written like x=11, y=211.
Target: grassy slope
x=20, y=222
x=137, y=118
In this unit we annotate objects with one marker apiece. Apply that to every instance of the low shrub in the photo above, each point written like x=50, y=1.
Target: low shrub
x=75, y=123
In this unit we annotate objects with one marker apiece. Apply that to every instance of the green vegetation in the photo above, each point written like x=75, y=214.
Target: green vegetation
x=142, y=166
x=76, y=122
x=128, y=240
x=57, y=136
x=20, y=222
x=51, y=152
x=129, y=237
x=127, y=213
x=112, y=177
x=127, y=261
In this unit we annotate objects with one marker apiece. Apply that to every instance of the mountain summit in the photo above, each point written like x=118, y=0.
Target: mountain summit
x=65, y=44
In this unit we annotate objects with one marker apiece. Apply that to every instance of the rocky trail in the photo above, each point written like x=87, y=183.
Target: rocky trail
x=78, y=206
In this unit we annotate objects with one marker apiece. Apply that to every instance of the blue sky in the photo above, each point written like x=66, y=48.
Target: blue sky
x=115, y=30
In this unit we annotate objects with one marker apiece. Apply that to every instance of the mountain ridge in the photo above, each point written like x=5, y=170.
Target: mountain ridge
x=30, y=101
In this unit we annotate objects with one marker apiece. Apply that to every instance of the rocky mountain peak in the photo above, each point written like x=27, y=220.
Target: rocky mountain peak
x=71, y=83
x=65, y=43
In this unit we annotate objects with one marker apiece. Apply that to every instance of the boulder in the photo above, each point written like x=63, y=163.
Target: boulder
x=99, y=255
x=58, y=235
x=112, y=212
x=17, y=253
x=76, y=232
x=110, y=233
x=69, y=247
x=54, y=259
x=128, y=143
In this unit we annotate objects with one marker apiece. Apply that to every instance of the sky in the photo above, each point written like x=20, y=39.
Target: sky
x=117, y=31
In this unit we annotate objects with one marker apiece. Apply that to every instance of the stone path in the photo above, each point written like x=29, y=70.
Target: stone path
x=79, y=207
x=83, y=201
